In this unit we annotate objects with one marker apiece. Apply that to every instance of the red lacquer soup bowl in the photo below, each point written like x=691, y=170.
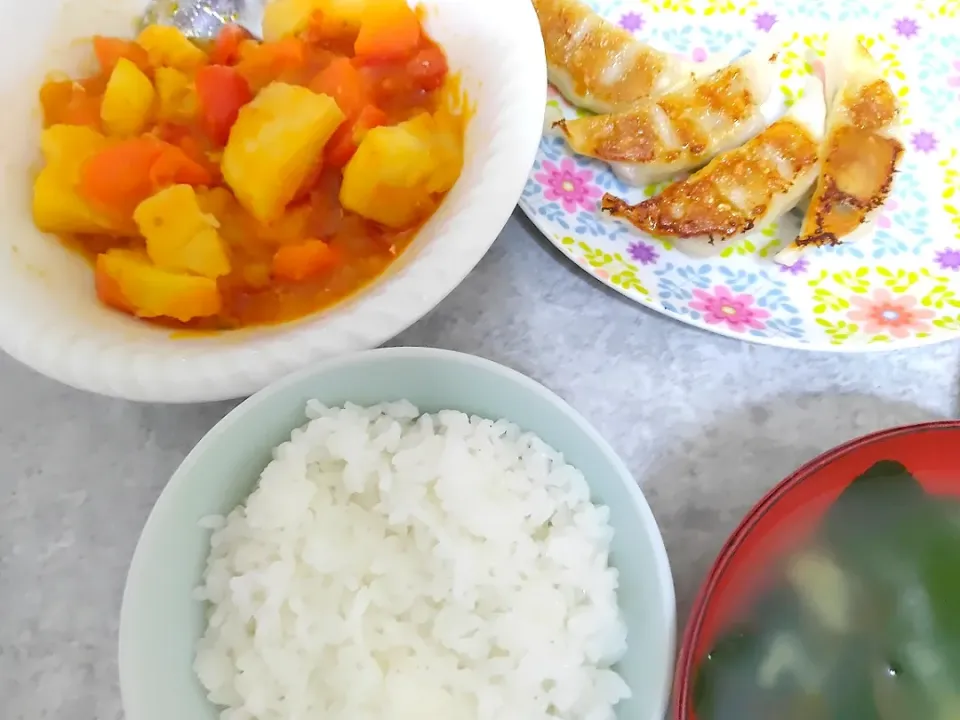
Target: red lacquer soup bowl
x=788, y=515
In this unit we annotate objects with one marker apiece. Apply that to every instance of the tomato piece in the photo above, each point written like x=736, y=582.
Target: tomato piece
x=303, y=260
x=221, y=92
x=390, y=31
x=226, y=47
x=109, y=50
x=340, y=148
x=345, y=141
x=344, y=83
x=428, y=68
x=69, y=103
x=118, y=177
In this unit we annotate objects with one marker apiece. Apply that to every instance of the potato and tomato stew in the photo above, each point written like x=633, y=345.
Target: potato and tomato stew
x=244, y=182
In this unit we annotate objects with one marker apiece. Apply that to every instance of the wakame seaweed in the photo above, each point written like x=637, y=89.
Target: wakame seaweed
x=895, y=656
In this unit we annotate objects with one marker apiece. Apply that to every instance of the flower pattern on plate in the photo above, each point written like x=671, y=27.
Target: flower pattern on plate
x=882, y=312
x=951, y=189
x=572, y=187
x=725, y=7
x=906, y=27
x=632, y=21
x=948, y=259
x=908, y=266
x=883, y=305
x=764, y=21
x=738, y=311
x=939, y=9
x=938, y=78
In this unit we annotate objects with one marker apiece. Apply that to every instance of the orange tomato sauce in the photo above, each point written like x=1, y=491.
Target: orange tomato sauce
x=252, y=293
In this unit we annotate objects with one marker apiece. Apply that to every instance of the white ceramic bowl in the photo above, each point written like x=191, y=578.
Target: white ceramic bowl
x=160, y=622
x=50, y=318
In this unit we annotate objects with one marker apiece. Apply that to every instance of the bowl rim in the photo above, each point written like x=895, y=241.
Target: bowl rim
x=149, y=366
x=148, y=535
x=683, y=673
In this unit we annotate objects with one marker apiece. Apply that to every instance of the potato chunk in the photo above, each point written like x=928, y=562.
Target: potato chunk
x=57, y=206
x=180, y=236
x=68, y=147
x=290, y=17
x=397, y=170
x=274, y=145
x=176, y=95
x=287, y=17
x=127, y=280
x=385, y=179
x=444, y=133
x=168, y=47
x=128, y=100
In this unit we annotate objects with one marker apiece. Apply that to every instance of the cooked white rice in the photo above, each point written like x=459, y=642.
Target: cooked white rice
x=395, y=566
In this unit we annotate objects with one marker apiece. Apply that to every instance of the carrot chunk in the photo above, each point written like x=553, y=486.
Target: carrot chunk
x=175, y=167
x=390, y=31
x=69, y=103
x=370, y=117
x=122, y=175
x=260, y=64
x=118, y=177
x=108, y=289
x=288, y=51
x=303, y=260
x=344, y=83
x=110, y=50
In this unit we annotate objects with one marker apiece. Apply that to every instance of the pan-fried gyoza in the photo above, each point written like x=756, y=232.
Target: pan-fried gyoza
x=740, y=189
x=599, y=66
x=860, y=155
x=683, y=129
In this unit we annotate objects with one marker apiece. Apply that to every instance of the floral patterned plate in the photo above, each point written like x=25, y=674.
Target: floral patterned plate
x=898, y=288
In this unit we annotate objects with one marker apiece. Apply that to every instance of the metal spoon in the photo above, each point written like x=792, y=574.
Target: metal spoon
x=202, y=19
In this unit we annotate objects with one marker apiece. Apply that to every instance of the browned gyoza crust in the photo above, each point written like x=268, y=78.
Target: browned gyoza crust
x=859, y=164
x=705, y=212
x=632, y=136
x=728, y=196
x=586, y=56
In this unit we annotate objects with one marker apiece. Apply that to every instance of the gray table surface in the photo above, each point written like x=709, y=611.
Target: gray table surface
x=706, y=424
